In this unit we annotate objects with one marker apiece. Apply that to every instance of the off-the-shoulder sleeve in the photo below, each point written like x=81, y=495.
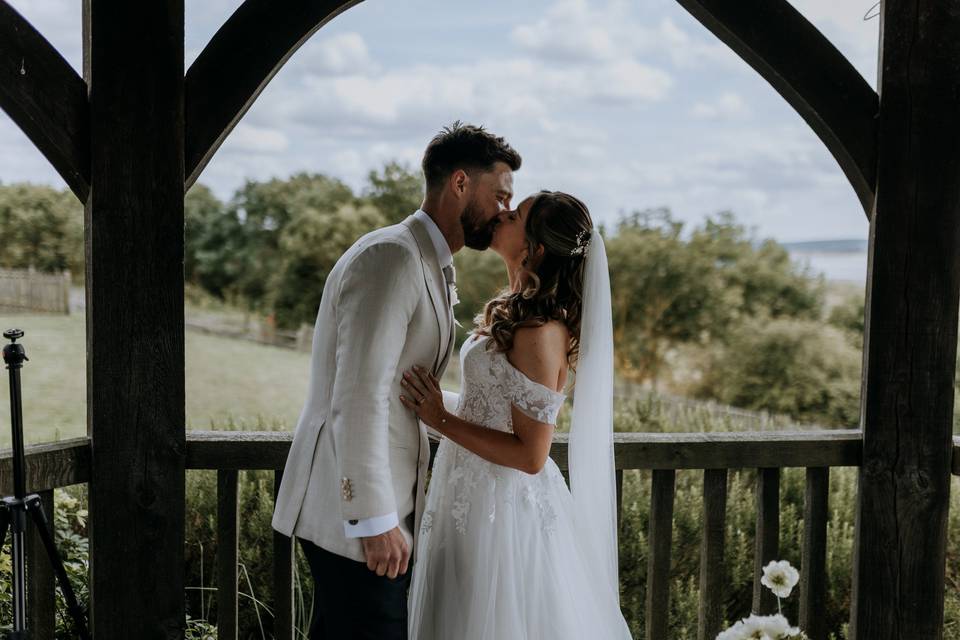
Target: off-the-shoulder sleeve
x=534, y=399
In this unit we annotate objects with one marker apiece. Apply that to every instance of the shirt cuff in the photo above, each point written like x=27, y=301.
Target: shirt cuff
x=370, y=526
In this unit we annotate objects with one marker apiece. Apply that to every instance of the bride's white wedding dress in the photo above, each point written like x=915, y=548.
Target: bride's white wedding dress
x=497, y=556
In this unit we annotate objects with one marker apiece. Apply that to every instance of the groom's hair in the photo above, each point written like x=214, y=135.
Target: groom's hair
x=467, y=147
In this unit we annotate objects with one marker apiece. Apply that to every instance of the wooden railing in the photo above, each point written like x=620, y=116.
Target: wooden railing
x=67, y=463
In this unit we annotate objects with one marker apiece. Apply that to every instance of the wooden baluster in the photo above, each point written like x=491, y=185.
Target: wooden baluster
x=768, y=537
x=227, y=542
x=41, y=583
x=282, y=576
x=813, y=565
x=658, y=566
x=711, y=553
x=619, y=498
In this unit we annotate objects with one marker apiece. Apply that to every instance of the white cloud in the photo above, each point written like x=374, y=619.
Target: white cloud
x=522, y=92
x=247, y=137
x=340, y=54
x=728, y=106
x=582, y=32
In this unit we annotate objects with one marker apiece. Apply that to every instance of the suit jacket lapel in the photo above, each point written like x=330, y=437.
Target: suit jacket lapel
x=436, y=286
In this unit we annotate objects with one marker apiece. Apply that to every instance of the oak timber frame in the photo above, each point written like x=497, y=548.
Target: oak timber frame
x=135, y=132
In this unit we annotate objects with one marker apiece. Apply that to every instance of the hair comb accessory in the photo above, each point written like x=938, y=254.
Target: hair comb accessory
x=583, y=242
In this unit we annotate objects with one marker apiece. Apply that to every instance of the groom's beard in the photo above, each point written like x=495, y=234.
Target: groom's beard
x=476, y=234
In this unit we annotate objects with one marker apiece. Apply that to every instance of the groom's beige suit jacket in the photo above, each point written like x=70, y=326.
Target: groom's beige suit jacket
x=357, y=452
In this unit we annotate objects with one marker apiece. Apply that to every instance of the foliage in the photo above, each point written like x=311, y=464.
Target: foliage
x=800, y=368
x=42, y=228
x=480, y=276
x=214, y=243
x=849, y=316
x=310, y=246
x=396, y=191
x=669, y=290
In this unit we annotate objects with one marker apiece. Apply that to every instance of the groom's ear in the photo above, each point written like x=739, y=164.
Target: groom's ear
x=458, y=181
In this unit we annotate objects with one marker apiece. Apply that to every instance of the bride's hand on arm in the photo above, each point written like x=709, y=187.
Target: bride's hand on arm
x=540, y=353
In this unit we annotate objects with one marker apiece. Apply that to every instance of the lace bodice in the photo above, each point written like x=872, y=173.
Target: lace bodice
x=489, y=385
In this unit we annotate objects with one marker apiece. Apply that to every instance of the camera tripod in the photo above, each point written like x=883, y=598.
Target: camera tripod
x=14, y=509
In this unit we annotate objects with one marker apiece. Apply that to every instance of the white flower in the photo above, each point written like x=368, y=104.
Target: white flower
x=780, y=578
x=775, y=627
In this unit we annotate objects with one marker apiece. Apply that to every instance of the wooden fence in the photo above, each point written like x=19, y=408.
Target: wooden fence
x=66, y=463
x=29, y=291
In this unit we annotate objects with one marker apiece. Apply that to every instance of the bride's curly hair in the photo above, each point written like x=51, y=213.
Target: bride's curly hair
x=552, y=288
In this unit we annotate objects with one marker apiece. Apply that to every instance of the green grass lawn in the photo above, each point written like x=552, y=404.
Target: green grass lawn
x=230, y=384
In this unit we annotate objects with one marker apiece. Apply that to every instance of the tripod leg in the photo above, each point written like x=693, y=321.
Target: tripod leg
x=77, y=613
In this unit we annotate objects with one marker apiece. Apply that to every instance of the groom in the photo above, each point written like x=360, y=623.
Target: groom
x=353, y=486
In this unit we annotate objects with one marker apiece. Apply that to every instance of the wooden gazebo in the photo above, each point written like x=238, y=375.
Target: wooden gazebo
x=134, y=133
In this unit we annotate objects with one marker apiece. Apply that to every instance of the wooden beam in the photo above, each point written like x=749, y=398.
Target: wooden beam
x=911, y=329
x=811, y=75
x=135, y=332
x=955, y=467
x=46, y=98
x=717, y=450
x=239, y=61
x=767, y=538
x=48, y=466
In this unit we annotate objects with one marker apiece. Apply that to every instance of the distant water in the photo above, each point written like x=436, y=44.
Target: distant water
x=848, y=267
x=844, y=260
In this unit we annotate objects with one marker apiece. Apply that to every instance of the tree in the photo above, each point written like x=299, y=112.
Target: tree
x=395, y=190
x=481, y=275
x=213, y=244
x=42, y=228
x=801, y=368
x=662, y=293
x=670, y=290
x=309, y=246
x=264, y=210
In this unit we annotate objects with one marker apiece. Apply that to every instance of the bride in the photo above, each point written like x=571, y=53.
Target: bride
x=505, y=550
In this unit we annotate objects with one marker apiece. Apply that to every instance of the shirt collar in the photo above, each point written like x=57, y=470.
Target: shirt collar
x=444, y=256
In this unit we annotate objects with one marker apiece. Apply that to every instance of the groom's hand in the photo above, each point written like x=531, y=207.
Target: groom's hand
x=387, y=554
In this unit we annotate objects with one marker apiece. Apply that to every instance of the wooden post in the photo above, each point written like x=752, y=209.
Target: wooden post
x=911, y=335
x=133, y=64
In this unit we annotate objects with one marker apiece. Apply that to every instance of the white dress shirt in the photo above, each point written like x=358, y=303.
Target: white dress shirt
x=380, y=524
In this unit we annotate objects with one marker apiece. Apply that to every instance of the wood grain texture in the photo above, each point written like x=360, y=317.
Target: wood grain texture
x=767, y=539
x=228, y=539
x=658, y=566
x=955, y=457
x=712, y=545
x=813, y=564
x=283, y=568
x=41, y=598
x=841, y=448
x=911, y=335
x=811, y=75
x=46, y=98
x=239, y=62
x=135, y=333
x=48, y=466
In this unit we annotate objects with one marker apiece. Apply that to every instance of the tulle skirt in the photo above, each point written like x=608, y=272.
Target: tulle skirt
x=497, y=557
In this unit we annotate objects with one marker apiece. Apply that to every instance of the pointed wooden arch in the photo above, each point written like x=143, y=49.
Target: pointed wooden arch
x=238, y=62
x=46, y=98
x=811, y=75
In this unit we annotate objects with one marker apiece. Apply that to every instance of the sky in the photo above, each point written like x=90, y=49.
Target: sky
x=626, y=104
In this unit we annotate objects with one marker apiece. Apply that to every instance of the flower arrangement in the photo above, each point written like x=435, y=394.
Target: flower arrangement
x=780, y=578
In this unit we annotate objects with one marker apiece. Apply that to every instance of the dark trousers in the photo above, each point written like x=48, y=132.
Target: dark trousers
x=350, y=602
